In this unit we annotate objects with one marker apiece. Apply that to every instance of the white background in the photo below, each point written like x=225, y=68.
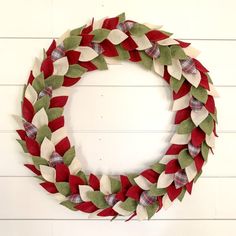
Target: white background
x=120, y=120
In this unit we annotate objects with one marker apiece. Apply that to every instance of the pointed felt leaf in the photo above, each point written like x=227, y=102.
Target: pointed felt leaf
x=97, y=198
x=165, y=180
x=199, y=93
x=40, y=118
x=139, y=29
x=154, y=191
x=100, y=63
x=46, y=149
x=146, y=61
x=69, y=155
x=177, y=52
x=48, y=173
x=61, y=66
x=39, y=161
x=63, y=188
x=176, y=84
x=43, y=102
x=70, y=205
x=31, y=94
x=199, y=116
x=83, y=190
x=105, y=185
x=151, y=210
x=100, y=35
x=204, y=151
x=54, y=81
x=117, y=36
x=158, y=167
x=86, y=53
x=185, y=159
x=185, y=127
x=175, y=69
x=38, y=83
x=141, y=212
x=165, y=56
x=43, y=132
x=129, y=204
x=207, y=125
x=75, y=71
x=115, y=185
x=71, y=42
x=54, y=113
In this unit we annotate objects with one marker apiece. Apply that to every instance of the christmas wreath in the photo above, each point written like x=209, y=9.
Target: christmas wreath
x=43, y=136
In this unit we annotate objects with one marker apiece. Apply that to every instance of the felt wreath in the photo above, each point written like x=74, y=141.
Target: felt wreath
x=44, y=138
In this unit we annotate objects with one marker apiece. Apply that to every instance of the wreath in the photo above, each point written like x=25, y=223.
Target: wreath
x=43, y=136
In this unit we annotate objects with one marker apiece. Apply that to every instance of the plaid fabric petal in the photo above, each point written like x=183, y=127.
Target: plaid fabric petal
x=46, y=91
x=97, y=48
x=188, y=66
x=111, y=199
x=55, y=159
x=125, y=26
x=145, y=199
x=30, y=129
x=193, y=150
x=153, y=51
x=75, y=198
x=180, y=179
x=195, y=104
x=58, y=52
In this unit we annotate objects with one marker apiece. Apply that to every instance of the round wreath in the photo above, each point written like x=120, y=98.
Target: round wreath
x=43, y=136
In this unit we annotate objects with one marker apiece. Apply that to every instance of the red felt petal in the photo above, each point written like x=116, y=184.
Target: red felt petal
x=27, y=110
x=199, y=66
x=70, y=81
x=172, y=192
x=32, y=146
x=172, y=166
x=21, y=133
x=134, y=192
x=129, y=44
x=199, y=161
x=73, y=56
x=125, y=183
x=62, y=172
x=74, y=182
x=88, y=29
x=189, y=187
x=197, y=136
x=175, y=149
x=110, y=23
x=33, y=169
x=185, y=88
x=56, y=124
x=87, y=207
x=86, y=39
x=204, y=81
x=47, y=67
x=166, y=75
x=31, y=78
x=182, y=115
x=107, y=212
x=87, y=65
x=159, y=200
x=156, y=35
x=58, y=101
x=134, y=56
x=109, y=49
x=50, y=187
x=63, y=146
x=51, y=48
x=150, y=175
x=94, y=182
x=183, y=44
x=210, y=104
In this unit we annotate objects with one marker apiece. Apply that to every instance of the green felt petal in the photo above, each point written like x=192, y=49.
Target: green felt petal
x=55, y=81
x=129, y=204
x=177, y=52
x=77, y=31
x=214, y=116
x=100, y=34
x=75, y=71
x=123, y=54
x=42, y=102
x=197, y=176
x=38, y=83
x=165, y=55
x=184, y=158
x=199, y=93
x=139, y=29
x=154, y=191
x=121, y=17
x=115, y=185
x=43, y=132
x=186, y=126
x=151, y=210
x=71, y=42
x=97, y=198
x=176, y=84
x=100, y=63
x=158, y=167
x=204, y=151
x=146, y=61
x=54, y=113
x=63, y=188
x=69, y=156
x=70, y=205
x=82, y=175
x=181, y=196
x=39, y=161
x=207, y=125
x=23, y=145
x=131, y=178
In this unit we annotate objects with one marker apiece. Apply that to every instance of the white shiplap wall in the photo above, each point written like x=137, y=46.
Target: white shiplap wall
x=119, y=119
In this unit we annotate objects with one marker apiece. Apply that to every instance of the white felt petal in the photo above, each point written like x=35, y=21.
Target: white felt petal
x=166, y=202
x=193, y=79
x=105, y=185
x=180, y=138
x=165, y=180
x=31, y=94
x=58, y=135
x=62, y=91
x=213, y=91
x=181, y=103
x=36, y=67
x=112, y=61
x=191, y=171
x=191, y=51
x=120, y=210
x=40, y=118
x=59, y=197
x=199, y=116
x=142, y=42
x=210, y=140
x=141, y=212
x=152, y=26
x=83, y=189
x=48, y=173
x=165, y=159
x=158, y=67
x=86, y=53
x=75, y=166
x=117, y=36
x=63, y=37
x=98, y=23
x=46, y=149
x=175, y=69
x=94, y=215
x=142, y=182
x=168, y=41
x=61, y=66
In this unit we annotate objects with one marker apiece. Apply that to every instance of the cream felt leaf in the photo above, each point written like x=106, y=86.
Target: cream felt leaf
x=83, y=190
x=98, y=23
x=40, y=118
x=166, y=158
x=94, y=215
x=112, y=61
x=31, y=94
x=58, y=135
x=175, y=69
x=86, y=53
x=62, y=91
x=193, y=79
x=199, y=116
x=180, y=138
x=142, y=42
x=153, y=26
x=167, y=42
x=36, y=67
x=75, y=166
x=142, y=182
x=48, y=173
x=117, y=36
x=191, y=171
x=181, y=103
x=164, y=180
x=141, y=212
x=105, y=185
x=191, y=51
x=46, y=149
x=63, y=37
x=210, y=140
x=59, y=197
x=61, y=66
x=212, y=91
x=166, y=201
x=158, y=67
x=117, y=208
